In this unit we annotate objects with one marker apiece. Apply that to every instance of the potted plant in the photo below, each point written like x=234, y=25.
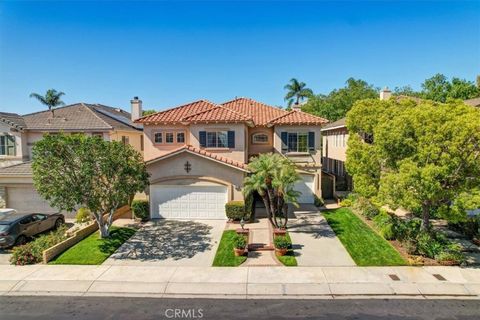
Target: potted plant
x=281, y=244
x=240, y=243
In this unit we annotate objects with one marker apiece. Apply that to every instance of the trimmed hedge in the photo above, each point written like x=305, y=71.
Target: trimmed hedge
x=141, y=209
x=235, y=210
x=83, y=215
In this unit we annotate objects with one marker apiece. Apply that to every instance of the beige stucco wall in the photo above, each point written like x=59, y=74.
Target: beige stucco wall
x=309, y=157
x=172, y=171
x=260, y=148
x=335, y=144
x=20, y=146
x=134, y=138
x=153, y=150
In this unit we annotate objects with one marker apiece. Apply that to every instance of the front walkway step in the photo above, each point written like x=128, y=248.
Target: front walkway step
x=261, y=259
x=260, y=247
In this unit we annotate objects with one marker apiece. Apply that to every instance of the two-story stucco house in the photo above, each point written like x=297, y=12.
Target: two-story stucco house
x=197, y=153
x=19, y=133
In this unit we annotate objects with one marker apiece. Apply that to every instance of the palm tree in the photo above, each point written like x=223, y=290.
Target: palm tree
x=273, y=177
x=51, y=99
x=296, y=91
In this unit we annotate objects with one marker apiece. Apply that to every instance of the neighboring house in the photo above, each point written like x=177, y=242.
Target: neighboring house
x=197, y=153
x=18, y=134
x=475, y=102
x=334, y=152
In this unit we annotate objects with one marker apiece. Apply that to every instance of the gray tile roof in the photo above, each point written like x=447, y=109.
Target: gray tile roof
x=24, y=168
x=81, y=117
x=13, y=119
x=336, y=124
x=475, y=102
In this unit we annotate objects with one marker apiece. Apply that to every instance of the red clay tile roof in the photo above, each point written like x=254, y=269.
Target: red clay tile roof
x=177, y=114
x=298, y=117
x=218, y=114
x=260, y=112
x=237, y=110
x=213, y=156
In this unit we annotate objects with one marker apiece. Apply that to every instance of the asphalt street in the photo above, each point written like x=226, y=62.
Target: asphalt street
x=85, y=308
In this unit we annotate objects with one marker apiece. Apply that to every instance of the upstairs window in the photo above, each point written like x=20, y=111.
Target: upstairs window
x=259, y=138
x=125, y=140
x=158, y=137
x=7, y=145
x=169, y=137
x=298, y=141
x=180, y=137
x=217, y=139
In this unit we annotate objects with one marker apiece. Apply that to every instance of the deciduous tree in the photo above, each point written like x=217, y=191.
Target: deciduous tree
x=72, y=171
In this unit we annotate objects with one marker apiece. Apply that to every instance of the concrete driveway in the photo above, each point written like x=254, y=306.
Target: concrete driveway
x=5, y=257
x=171, y=243
x=314, y=242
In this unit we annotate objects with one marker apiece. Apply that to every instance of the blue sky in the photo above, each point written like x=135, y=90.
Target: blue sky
x=169, y=53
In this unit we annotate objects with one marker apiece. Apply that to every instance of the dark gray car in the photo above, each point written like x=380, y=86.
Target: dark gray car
x=17, y=228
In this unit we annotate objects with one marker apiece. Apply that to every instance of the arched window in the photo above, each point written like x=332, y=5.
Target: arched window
x=259, y=138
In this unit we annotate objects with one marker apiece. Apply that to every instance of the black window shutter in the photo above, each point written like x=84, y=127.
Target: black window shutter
x=231, y=139
x=284, y=137
x=311, y=141
x=203, y=138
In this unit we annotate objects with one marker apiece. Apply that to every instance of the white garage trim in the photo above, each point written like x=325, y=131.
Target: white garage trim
x=188, y=201
x=307, y=187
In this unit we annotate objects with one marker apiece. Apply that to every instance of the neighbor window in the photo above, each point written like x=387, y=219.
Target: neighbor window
x=158, y=137
x=169, y=137
x=297, y=142
x=180, y=137
x=259, y=138
x=97, y=134
x=125, y=140
x=7, y=145
x=217, y=139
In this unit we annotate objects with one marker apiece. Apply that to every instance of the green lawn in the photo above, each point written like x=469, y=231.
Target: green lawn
x=289, y=259
x=93, y=250
x=225, y=257
x=366, y=247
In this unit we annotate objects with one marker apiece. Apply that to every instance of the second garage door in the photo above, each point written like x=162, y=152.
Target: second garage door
x=25, y=199
x=306, y=187
x=188, y=202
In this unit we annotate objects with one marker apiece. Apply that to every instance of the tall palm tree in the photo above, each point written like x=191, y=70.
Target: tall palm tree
x=273, y=177
x=297, y=91
x=51, y=99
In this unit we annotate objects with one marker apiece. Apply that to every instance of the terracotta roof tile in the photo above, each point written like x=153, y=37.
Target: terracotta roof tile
x=218, y=113
x=204, y=153
x=177, y=114
x=297, y=117
x=260, y=112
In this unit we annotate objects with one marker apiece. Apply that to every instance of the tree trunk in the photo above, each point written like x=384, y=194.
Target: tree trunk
x=273, y=207
x=103, y=226
x=267, y=207
x=104, y=231
x=425, y=216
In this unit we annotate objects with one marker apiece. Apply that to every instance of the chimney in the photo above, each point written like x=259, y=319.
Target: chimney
x=136, y=108
x=385, y=94
x=297, y=107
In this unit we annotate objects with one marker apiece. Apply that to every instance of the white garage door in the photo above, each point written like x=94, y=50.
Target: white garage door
x=25, y=199
x=306, y=187
x=188, y=202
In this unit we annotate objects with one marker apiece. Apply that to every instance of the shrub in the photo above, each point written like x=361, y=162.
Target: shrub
x=451, y=253
x=235, y=210
x=140, y=209
x=428, y=245
x=407, y=230
x=83, y=215
x=249, y=207
x=366, y=207
x=346, y=203
x=281, y=242
x=318, y=201
x=240, y=242
x=385, y=224
x=31, y=253
x=470, y=227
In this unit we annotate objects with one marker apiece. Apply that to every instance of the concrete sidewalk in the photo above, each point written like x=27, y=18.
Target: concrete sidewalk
x=242, y=283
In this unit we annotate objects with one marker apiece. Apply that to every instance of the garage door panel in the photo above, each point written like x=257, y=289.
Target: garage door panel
x=184, y=202
x=306, y=187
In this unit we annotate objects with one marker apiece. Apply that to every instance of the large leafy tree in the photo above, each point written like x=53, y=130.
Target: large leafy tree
x=296, y=92
x=273, y=177
x=421, y=156
x=51, y=99
x=338, y=102
x=72, y=171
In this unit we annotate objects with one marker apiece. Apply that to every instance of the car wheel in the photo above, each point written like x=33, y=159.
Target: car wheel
x=58, y=223
x=21, y=240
